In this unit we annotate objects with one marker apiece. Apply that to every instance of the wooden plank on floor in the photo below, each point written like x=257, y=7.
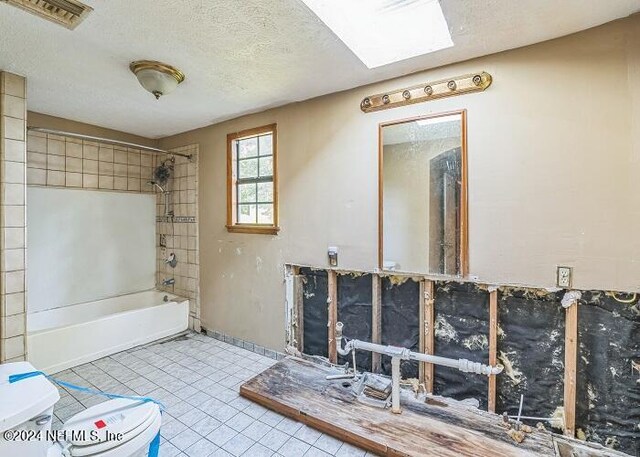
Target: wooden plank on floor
x=493, y=346
x=570, y=362
x=332, y=303
x=376, y=320
x=436, y=427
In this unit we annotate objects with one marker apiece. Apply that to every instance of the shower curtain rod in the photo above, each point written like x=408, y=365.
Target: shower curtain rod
x=106, y=140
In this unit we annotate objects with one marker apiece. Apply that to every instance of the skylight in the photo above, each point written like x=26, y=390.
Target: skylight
x=381, y=32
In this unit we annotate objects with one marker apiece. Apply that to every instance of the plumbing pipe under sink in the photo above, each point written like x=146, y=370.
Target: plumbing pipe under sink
x=399, y=353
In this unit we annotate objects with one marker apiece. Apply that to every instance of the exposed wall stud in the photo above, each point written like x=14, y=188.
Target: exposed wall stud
x=427, y=334
x=298, y=290
x=332, y=303
x=493, y=346
x=570, y=362
x=290, y=306
x=376, y=320
x=423, y=330
x=475, y=82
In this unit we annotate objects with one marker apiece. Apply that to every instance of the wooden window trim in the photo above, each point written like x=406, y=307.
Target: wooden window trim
x=232, y=225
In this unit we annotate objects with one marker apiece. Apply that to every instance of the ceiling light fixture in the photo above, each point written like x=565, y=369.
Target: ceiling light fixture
x=156, y=77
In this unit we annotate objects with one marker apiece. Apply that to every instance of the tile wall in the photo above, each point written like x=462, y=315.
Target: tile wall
x=60, y=161
x=13, y=114
x=178, y=234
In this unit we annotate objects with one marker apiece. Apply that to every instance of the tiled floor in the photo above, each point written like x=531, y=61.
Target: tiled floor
x=198, y=379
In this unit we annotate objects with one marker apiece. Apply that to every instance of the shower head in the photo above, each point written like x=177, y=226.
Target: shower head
x=153, y=183
x=162, y=173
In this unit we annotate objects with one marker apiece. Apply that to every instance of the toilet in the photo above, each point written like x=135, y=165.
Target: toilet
x=115, y=428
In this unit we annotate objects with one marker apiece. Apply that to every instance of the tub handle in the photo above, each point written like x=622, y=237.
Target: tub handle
x=41, y=420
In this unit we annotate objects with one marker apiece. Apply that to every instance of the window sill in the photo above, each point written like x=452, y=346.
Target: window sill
x=255, y=229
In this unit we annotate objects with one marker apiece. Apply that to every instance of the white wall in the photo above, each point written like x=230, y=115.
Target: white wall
x=87, y=245
x=554, y=160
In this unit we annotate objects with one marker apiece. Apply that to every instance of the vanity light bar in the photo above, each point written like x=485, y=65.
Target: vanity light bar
x=475, y=82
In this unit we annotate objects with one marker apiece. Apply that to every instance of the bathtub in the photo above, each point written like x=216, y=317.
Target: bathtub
x=65, y=337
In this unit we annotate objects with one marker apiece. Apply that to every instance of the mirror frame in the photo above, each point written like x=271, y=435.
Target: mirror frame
x=464, y=193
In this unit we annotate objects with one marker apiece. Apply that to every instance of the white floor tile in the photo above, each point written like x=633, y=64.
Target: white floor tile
x=197, y=378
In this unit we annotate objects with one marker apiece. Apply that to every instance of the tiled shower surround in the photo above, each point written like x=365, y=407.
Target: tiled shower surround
x=178, y=234
x=59, y=161
x=12, y=211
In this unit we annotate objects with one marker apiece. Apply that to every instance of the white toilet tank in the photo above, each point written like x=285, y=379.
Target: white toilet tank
x=26, y=412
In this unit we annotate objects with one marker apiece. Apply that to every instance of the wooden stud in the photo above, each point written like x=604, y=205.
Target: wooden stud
x=493, y=346
x=570, y=362
x=332, y=303
x=376, y=320
x=298, y=308
x=422, y=325
x=428, y=322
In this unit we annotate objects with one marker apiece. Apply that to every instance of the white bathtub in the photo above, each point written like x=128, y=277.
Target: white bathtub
x=62, y=338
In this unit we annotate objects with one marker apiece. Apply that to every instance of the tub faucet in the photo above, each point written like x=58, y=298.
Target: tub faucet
x=168, y=281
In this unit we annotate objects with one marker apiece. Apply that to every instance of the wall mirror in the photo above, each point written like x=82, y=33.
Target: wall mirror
x=423, y=195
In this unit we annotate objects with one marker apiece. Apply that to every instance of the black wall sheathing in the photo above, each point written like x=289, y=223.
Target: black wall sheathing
x=531, y=333
x=315, y=312
x=461, y=332
x=608, y=388
x=355, y=312
x=400, y=316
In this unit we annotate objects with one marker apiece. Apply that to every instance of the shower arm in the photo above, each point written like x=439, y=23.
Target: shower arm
x=399, y=353
x=80, y=136
x=162, y=191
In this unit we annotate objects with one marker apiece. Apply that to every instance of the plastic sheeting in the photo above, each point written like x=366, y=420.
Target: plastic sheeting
x=608, y=387
x=315, y=313
x=400, y=327
x=531, y=334
x=355, y=312
x=461, y=332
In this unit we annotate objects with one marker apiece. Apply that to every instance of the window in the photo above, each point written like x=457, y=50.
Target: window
x=252, y=181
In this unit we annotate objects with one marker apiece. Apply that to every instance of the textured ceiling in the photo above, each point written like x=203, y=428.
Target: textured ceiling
x=240, y=56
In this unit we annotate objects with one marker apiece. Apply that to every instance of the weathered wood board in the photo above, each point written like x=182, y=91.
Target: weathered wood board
x=441, y=427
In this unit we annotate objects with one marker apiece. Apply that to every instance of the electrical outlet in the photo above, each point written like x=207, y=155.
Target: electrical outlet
x=332, y=251
x=563, y=277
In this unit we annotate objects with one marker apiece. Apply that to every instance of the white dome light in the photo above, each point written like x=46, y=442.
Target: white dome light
x=157, y=77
